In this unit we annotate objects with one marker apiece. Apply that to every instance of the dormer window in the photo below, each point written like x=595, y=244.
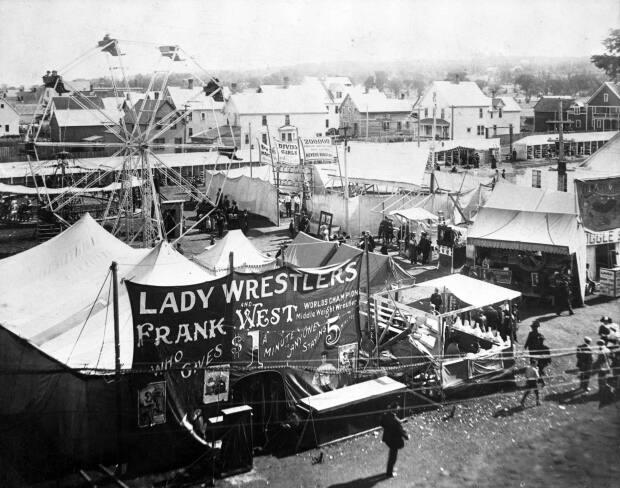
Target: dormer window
x=264, y=120
x=480, y=113
x=605, y=97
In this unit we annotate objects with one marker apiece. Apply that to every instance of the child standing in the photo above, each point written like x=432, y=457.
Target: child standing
x=532, y=377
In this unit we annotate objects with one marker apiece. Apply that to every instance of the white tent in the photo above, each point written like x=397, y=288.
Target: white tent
x=246, y=258
x=47, y=292
x=399, y=164
x=472, y=291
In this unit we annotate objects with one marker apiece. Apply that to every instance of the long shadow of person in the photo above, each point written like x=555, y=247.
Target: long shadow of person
x=367, y=482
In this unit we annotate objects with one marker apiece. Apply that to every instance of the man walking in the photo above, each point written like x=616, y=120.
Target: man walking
x=584, y=364
x=564, y=295
x=287, y=205
x=393, y=435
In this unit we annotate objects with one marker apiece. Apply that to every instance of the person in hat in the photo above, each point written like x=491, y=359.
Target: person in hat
x=544, y=358
x=532, y=378
x=603, y=330
x=412, y=249
x=436, y=300
x=562, y=283
x=584, y=364
x=533, y=342
x=393, y=435
x=424, y=247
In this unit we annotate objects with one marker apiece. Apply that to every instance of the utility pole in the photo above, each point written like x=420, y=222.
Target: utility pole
x=419, y=126
x=562, y=184
x=250, y=139
x=346, y=180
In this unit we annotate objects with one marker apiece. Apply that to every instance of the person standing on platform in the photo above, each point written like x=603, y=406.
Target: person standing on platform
x=436, y=300
x=393, y=436
x=297, y=203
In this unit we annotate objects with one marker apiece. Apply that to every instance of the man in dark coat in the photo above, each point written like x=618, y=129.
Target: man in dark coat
x=436, y=300
x=584, y=364
x=533, y=341
x=424, y=247
x=393, y=435
x=564, y=294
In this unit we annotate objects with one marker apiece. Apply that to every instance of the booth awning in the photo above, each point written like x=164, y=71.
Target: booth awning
x=470, y=290
x=415, y=213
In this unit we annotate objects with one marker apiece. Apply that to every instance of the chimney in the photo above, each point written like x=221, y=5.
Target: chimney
x=190, y=83
x=286, y=82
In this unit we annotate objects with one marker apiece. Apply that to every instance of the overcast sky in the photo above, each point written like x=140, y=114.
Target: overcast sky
x=239, y=34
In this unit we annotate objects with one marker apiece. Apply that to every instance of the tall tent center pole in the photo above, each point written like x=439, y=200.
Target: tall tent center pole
x=117, y=355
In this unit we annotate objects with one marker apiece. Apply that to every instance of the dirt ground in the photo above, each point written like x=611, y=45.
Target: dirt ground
x=489, y=441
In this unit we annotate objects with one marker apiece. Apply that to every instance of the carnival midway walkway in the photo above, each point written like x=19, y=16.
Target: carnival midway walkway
x=487, y=441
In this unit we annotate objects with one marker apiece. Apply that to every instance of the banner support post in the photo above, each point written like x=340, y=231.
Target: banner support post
x=117, y=356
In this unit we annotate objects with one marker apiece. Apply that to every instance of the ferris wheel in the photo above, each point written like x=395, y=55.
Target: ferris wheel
x=134, y=114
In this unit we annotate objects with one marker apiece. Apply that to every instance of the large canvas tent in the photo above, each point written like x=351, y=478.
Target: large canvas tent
x=307, y=251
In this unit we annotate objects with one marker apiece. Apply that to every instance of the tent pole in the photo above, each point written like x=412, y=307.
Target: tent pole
x=368, y=294
x=117, y=356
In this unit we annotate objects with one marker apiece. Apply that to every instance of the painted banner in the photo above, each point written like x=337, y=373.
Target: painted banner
x=599, y=203
x=199, y=337
x=266, y=153
x=318, y=148
x=288, y=152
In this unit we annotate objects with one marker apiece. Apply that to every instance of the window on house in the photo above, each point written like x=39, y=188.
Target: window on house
x=1, y=105
x=189, y=117
x=264, y=138
x=290, y=137
x=399, y=126
x=338, y=94
x=469, y=130
x=426, y=113
x=327, y=123
x=605, y=97
x=264, y=120
x=599, y=124
x=406, y=124
x=178, y=141
x=203, y=116
x=6, y=128
x=494, y=130
x=160, y=140
x=491, y=114
x=284, y=136
x=247, y=139
x=480, y=113
x=386, y=125
x=578, y=124
x=287, y=120
x=536, y=177
x=500, y=113
x=190, y=132
x=336, y=110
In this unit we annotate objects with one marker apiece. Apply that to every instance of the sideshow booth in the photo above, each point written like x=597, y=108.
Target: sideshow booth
x=424, y=340
x=523, y=236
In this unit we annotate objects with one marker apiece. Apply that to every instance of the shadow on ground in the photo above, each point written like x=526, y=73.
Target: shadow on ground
x=366, y=482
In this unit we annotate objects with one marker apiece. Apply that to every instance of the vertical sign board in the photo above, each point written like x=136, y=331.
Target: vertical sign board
x=191, y=341
x=599, y=203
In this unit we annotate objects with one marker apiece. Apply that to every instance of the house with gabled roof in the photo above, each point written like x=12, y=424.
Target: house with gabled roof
x=370, y=114
x=285, y=112
x=547, y=113
x=602, y=111
x=463, y=111
x=9, y=120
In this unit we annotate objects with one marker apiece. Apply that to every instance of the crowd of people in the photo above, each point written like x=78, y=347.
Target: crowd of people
x=16, y=209
x=224, y=215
